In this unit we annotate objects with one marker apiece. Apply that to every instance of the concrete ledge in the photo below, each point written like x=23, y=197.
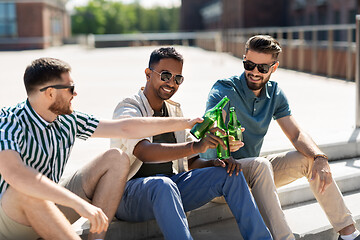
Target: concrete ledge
x=335, y=151
x=207, y=214
x=304, y=215
x=345, y=172
x=308, y=221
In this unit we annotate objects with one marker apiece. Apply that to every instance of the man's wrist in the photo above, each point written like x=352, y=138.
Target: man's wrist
x=321, y=155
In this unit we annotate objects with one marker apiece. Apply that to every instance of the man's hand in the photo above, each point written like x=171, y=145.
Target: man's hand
x=235, y=144
x=321, y=169
x=209, y=141
x=232, y=165
x=99, y=222
x=192, y=122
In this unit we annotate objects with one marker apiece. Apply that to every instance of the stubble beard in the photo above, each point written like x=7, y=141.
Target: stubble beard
x=256, y=86
x=60, y=108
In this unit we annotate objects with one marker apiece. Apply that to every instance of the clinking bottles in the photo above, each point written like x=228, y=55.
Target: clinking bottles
x=234, y=126
x=209, y=117
x=221, y=152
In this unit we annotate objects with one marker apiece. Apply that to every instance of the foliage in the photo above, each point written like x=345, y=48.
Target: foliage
x=111, y=17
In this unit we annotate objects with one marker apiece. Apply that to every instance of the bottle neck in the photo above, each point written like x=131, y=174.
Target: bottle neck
x=219, y=119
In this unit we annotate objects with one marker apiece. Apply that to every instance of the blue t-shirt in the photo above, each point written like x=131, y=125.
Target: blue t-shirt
x=254, y=113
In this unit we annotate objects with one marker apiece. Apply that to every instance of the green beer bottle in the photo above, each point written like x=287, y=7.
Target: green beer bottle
x=221, y=152
x=209, y=117
x=234, y=126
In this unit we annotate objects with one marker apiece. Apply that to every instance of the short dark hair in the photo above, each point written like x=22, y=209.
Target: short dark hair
x=42, y=71
x=263, y=44
x=165, y=52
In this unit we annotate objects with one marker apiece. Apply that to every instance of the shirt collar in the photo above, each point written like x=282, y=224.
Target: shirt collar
x=36, y=118
x=249, y=93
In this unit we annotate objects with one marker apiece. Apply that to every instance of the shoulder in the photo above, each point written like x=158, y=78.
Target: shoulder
x=77, y=117
x=227, y=83
x=12, y=114
x=129, y=106
x=226, y=86
x=274, y=89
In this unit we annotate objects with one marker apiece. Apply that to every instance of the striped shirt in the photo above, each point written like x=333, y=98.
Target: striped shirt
x=43, y=146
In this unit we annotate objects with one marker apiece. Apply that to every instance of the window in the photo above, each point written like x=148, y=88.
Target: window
x=8, y=27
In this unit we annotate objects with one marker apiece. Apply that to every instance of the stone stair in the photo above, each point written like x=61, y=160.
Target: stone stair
x=215, y=221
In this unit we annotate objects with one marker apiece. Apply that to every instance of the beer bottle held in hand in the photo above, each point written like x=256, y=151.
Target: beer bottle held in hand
x=209, y=117
x=234, y=126
x=221, y=152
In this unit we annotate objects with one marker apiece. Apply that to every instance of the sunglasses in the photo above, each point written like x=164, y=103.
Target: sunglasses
x=262, y=68
x=71, y=88
x=166, y=76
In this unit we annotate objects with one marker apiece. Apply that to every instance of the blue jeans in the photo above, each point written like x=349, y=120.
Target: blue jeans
x=168, y=198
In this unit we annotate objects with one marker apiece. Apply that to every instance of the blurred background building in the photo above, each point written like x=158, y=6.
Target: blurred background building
x=33, y=24
x=226, y=14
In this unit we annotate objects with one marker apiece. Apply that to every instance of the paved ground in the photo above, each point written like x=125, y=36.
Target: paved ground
x=324, y=107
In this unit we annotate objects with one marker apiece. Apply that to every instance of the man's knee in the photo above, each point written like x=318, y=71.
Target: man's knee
x=116, y=159
x=162, y=185
x=261, y=169
x=262, y=164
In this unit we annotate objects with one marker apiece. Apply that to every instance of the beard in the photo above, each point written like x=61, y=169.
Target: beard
x=258, y=85
x=165, y=95
x=60, y=107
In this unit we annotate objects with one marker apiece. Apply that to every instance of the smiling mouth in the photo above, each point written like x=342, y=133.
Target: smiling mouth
x=254, y=78
x=168, y=90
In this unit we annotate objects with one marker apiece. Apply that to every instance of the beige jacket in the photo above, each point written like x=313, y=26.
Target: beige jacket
x=138, y=106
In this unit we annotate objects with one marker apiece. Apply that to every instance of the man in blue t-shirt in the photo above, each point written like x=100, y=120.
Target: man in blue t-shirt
x=258, y=100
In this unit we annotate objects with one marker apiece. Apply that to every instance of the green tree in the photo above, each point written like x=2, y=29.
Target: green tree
x=109, y=17
x=90, y=18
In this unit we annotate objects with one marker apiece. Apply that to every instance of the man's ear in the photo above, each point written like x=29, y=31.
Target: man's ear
x=49, y=93
x=147, y=73
x=276, y=65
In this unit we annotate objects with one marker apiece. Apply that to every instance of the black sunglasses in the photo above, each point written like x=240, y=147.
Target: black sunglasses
x=263, y=68
x=71, y=88
x=166, y=76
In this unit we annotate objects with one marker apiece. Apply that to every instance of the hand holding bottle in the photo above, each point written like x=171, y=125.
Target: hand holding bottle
x=235, y=144
x=210, y=140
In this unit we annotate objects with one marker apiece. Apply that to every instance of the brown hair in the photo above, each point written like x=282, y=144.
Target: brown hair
x=263, y=44
x=42, y=71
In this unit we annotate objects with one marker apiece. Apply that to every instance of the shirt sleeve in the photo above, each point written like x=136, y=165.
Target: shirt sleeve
x=10, y=133
x=127, y=108
x=85, y=124
x=283, y=108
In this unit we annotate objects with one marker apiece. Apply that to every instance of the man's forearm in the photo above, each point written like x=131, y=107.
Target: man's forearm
x=140, y=127
x=198, y=162
x=306, y=145
x=32, y=183
x=162, y=152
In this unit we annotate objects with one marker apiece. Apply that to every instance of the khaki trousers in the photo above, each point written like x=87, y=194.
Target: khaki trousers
x=265, y=174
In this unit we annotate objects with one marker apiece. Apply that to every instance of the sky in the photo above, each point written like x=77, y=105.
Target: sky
x=146, y=3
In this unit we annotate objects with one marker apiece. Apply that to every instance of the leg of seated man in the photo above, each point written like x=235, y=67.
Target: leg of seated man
x=200, y=186
x=101, y=182
x=155, y=197
x=260, y=178
x=290, y=166
x=20, y=211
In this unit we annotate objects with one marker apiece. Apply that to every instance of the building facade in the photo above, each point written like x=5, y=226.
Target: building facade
x=33, y=24
x=227, y=14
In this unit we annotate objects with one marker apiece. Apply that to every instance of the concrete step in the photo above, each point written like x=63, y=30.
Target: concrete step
x=308, y=221
x=215, y=221
x=345, y=172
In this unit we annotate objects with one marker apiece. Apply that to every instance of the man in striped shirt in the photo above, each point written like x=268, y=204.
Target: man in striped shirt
x=36, y=138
